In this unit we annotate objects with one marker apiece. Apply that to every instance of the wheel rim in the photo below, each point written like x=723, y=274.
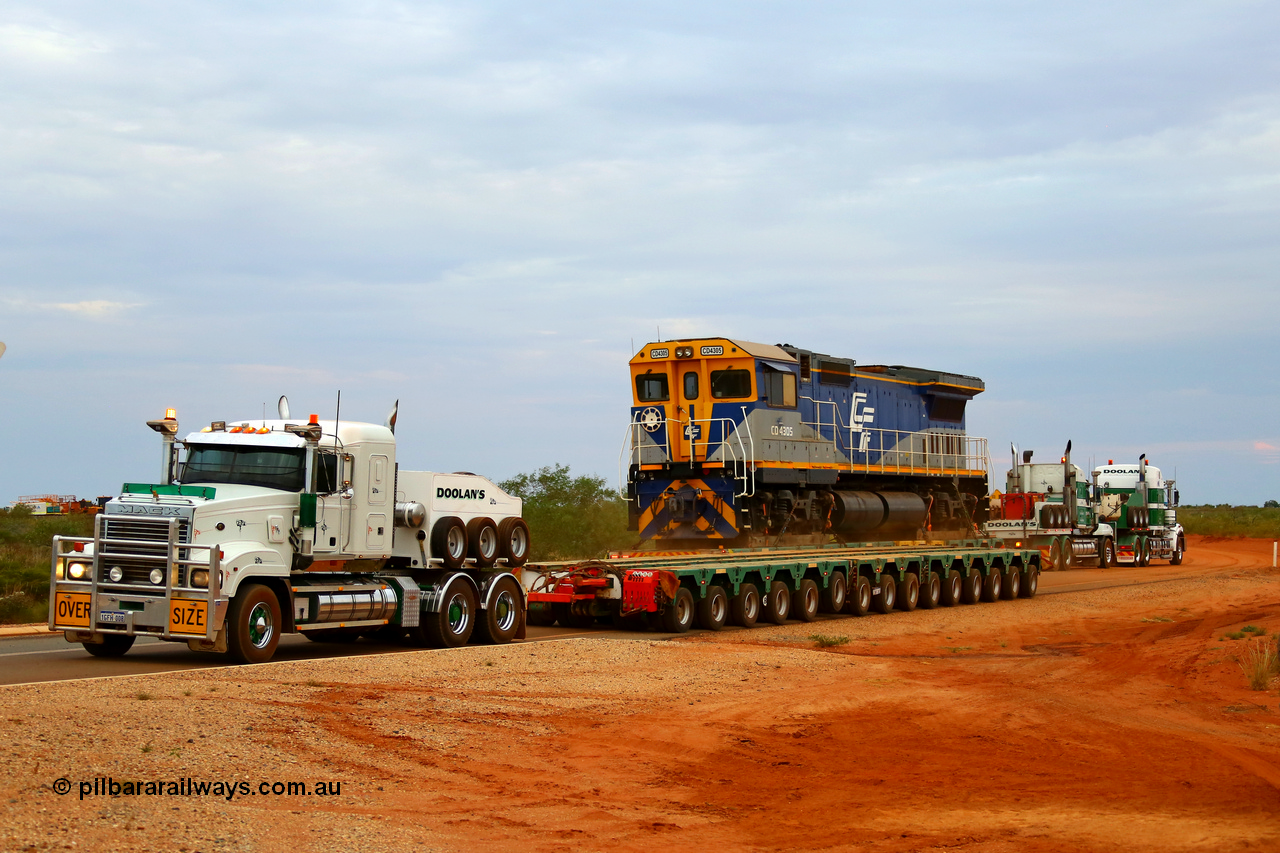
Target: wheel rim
x=684, y=609
x=751, y=605
x=913, y=593
x=457, y=542
x=488, y=542
x=864, y=596
x=519, y=543
x=954, y=580
x=459, y=613
x=1014, y=583
x=995, y=584
x=504, y=611
x=261, y=627
x=811, y=600
x=718, y=608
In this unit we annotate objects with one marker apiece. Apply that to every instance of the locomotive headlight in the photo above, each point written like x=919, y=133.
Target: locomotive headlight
x=200, y=578
x=116, y=574
x=77, y=571
x=157, y=576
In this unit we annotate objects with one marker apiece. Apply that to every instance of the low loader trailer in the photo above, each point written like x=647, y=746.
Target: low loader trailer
x=675, y=592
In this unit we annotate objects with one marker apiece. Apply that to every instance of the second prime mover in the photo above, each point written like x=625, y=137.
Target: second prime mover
x=258, y=528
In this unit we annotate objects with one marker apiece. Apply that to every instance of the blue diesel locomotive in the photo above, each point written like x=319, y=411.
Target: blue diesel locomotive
x=733, y=444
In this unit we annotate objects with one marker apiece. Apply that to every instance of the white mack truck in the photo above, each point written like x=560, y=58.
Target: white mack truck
x=1127, y=514
x=265, y=527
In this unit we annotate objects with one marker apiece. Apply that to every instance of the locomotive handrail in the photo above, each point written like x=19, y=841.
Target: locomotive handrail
x=741, y=458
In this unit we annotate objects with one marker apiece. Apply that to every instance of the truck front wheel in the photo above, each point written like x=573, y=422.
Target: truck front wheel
x=112, y=646
x=254, y=629
x=1175, y=559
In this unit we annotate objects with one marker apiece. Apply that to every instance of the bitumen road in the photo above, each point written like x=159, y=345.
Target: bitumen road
x=43, y=657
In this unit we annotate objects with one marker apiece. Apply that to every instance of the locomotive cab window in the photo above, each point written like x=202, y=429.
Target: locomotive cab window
x=691, y=385
x=730, y=384
x=652, y=388
x=780, y=388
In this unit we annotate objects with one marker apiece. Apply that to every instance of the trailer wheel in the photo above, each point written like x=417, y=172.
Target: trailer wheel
x=834, y=595
x=112, y=646
x=677, y=618
x=541, y=614
x=952, y=589
x=498, y=623
x=449, y=541
x=888, y=596
x=575, y=615
x=908, y=592
x=1029, y=588
x=453, y=624
x=971, y=588
x=482, y=541
x=1175, y=559
x=859, y=600
x=713, y=609
x=931, y=592
x=1012, y=585
x=513, y=541
x=1144, y=551
x=991, y=586
x=804, y=606
x=744, y=609
x=253, y=626
x=776, y=608
x=1107, y=553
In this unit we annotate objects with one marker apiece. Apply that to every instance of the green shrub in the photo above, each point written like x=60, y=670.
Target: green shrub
x=1225, y=520
x=826, y=641
x=571, y=518
x=1260, y=663
x=25, y=542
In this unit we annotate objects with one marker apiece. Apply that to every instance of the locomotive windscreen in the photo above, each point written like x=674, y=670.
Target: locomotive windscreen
x=652, y=387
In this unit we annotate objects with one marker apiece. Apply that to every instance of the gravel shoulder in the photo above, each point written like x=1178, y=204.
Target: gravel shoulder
x=1104, y=720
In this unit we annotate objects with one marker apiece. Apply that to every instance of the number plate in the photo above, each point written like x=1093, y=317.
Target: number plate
x=188, y=617
x=113, y=617
x=71, y=609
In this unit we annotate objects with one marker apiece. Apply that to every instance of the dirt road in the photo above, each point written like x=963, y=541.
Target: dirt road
x=1111, y=719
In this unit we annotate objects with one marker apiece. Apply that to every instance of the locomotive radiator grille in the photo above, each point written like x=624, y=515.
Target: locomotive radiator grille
x=137, y=557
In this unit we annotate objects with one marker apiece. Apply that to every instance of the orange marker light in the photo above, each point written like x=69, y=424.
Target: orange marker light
x=170, y=414
x=315, y=419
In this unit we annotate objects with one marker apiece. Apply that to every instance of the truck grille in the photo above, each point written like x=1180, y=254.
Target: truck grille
x=137, y=558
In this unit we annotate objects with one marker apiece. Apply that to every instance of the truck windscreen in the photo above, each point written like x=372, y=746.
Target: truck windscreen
x=270, y=467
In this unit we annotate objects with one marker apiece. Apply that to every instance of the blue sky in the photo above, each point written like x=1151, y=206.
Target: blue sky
x=481, y=208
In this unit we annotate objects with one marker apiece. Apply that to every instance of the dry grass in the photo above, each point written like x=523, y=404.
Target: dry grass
x=1260, y=663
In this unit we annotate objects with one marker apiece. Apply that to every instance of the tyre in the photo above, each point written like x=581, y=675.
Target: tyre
x=834, y=595
x=253, y=625
x=1107, y=553
x=1012, y=585
x=112, y=646
x=858, y=602
x=778, y=606
x=482, y=541
x=1030, y=584
x=991, y=585
x=952, y=589
x=449, y=542
x=1069, y=560
x=885, y=601
x=1175, y=559
x=576, y=615
x=744, y=609
x=908, y=592
x=677, y=618
x=541, y=614
x=498, y=623
x=1055, y=554
x=513, y=541
x=971, y=587
x=804, y=606
x=931, y=592
x=713, y=609
x=452, y=625
x=1144, y=551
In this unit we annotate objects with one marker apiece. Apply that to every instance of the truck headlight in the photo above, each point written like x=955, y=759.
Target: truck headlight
x=200, y=578
x=59, y=571
x=116, y=574
x=157, y=576
x=77, y=571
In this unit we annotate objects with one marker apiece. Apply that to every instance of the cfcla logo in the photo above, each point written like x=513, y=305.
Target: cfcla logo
x=861, y=420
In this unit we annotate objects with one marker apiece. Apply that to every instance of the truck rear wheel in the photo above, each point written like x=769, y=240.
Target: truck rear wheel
x=498, y=623
x=836, y=592
x=1106, y=553
x=859, y=600
x=449, y=542
x=804, y=606
x=1055, y=554
x=952, y=589
x=713, y=609
x=112, y=646
x=253, y=625
x=778, y=605
x=908, y=592
x=482, y=541
x=744, y=610
x=513, y=541
x=677, y=618
x=888, y=595
x=1068, y=554
x=452, y=624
